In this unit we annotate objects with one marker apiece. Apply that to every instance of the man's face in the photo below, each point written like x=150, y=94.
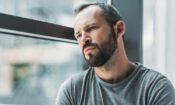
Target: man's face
x=96, y=38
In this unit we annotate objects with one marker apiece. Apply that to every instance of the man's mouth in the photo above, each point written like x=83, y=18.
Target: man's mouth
x=88, y=49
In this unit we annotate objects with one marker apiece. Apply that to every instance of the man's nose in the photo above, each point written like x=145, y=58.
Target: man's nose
x=85, y=39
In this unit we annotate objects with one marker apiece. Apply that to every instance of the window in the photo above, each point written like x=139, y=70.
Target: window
x=36, y=56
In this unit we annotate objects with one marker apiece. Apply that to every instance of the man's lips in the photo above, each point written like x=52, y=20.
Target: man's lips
x=88, y=49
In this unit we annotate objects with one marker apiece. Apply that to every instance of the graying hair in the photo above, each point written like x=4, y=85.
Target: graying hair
x=110, y=13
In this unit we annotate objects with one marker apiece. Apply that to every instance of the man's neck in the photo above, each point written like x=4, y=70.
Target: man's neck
x=115, y=70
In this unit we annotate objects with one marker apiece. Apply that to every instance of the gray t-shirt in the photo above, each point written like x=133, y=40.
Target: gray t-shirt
x=142, y=87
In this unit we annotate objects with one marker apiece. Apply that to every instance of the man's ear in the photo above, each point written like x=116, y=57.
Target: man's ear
x=120, y=28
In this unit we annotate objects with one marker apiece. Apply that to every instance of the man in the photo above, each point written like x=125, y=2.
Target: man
x=112, y=78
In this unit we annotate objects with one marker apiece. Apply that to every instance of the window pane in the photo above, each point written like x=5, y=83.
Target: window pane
x=31, y=70
x=52, y=11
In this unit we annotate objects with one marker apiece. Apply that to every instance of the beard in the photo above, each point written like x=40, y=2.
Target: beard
x=105, y=51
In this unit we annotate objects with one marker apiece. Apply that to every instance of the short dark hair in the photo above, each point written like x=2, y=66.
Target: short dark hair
x=110, y=13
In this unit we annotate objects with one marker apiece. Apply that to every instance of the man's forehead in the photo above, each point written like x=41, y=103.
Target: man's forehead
x=91, y=8
x=89, y=12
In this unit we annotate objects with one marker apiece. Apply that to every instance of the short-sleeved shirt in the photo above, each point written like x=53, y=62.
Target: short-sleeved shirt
x=142, y=87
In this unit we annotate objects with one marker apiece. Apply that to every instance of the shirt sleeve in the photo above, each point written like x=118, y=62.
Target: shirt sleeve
x=162, y=93
x=64, y=96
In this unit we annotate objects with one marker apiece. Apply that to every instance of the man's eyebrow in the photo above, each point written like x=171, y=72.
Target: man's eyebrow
x=91, y=24
x=87, y=26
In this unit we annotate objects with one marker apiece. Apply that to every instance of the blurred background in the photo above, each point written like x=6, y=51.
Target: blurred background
x=32, y=69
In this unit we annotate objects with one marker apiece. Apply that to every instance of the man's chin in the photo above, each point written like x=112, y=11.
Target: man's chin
x=93, y=62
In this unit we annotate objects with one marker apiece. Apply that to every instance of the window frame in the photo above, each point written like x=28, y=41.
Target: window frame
x=20, y=26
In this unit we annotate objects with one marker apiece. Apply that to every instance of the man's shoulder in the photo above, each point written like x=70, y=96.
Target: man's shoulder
x=81, y=76
x=149, y=74
x=157, y=87
x=152, y=78
x=71, y=88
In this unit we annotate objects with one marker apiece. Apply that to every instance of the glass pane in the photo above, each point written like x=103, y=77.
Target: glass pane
x=31, y=70
x=52, y=11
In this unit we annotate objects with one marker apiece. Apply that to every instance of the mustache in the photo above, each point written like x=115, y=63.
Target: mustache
x=90, y=44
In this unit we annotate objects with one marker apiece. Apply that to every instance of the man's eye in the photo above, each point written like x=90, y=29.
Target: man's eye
x=78, y=36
